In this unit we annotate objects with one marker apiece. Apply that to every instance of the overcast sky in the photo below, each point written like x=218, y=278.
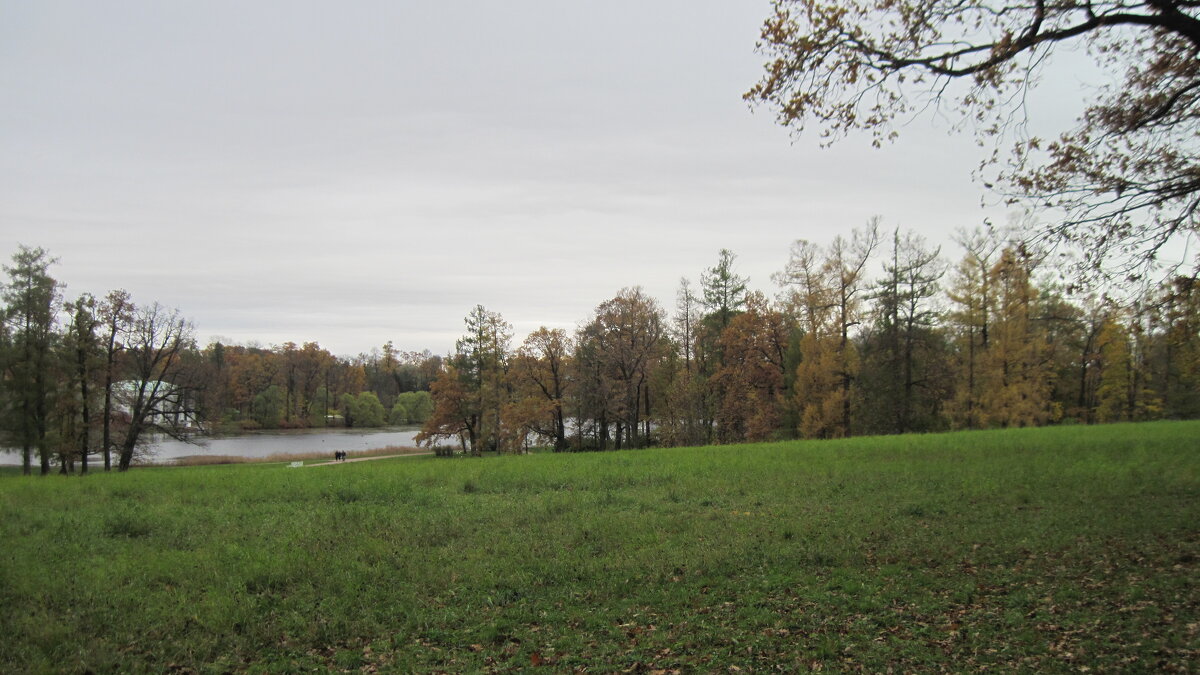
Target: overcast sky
x=358, y=172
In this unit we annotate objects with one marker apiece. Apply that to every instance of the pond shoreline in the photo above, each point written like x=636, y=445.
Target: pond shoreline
x=264, y=443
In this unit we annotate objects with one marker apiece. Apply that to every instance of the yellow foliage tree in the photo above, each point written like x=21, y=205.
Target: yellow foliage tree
x=1017, y=366
x=751, y=378
x=827, y=286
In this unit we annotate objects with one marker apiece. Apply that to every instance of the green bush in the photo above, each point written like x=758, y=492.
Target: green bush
x=267, y=407
x=366, y=411
x=399, y=414
x=418, y=405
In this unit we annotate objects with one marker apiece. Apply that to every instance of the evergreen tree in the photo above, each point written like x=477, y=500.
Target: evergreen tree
x=724, y=292
x=32, y=300
x=472, y=408
x=904, y=352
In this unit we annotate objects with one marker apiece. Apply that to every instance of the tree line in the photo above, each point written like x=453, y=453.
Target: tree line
x=92, y=379
x=244, y=388
x=871, y=333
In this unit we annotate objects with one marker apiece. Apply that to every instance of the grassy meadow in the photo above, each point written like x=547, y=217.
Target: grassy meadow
x=1057, y=549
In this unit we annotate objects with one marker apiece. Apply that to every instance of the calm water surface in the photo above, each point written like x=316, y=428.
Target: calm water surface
x=270, y=443
x=267, y=443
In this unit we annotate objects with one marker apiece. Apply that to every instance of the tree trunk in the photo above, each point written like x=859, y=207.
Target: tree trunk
x=646, y=401
x=971, y=379
x=40, y=408
x=906, y=401
x=26, y=437
x=126, y=454
x=560, y=431
x=106, y=433
x=85, y=413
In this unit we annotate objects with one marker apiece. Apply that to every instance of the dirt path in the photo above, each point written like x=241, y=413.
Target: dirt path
x=367, y=459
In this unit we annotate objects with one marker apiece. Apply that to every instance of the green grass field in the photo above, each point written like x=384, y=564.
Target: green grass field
x=1058, y=549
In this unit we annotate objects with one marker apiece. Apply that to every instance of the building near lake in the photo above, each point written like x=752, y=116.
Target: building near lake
x=169, y=406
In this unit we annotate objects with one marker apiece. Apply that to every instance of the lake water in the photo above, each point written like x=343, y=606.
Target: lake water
x=307, y=440
x=269, y=443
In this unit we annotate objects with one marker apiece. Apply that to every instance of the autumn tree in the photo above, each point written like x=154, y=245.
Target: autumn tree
x=454, y=415
x=1146, y=393
x=540, y=375
x=847, y=263
x=1092, y=312
x=1127, y=389
x=807, y=291
x=418, y=369
x=973, y=299
x=1114, y=393
x=157, y=394
x=212, y=389
x=826, y=292
x=630, y=330
x=250, y=370
x=1004, y=326
x=523, y=419
x=686, y=322
x=472, y=407
x=290, y=359
x=342, y=377
x=382, y=368
x=31, y=297
x=391, y=372
x=300, y=373
x=1017, y=364
x=311, y=363
x=752, y=378
x=615, y=358
x=687, y=417
x=595, y=397
x=1177, y=348
x=1127, y=178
